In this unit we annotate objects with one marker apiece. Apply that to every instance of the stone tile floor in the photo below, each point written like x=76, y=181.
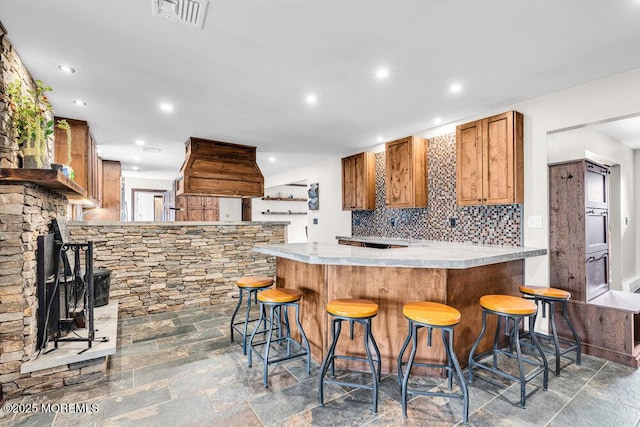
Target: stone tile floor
x=174, y=369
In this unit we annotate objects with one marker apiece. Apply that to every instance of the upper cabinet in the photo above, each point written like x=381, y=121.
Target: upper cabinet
x=84, y=157
x=490, y=161
x=406, y=172
x=359, y=182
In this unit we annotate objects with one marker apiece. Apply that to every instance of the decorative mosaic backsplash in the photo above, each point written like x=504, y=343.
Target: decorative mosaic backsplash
x=495, y=224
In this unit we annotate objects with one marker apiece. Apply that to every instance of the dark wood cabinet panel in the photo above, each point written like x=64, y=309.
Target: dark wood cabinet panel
x=579, y=233
x=490, y=160
x=359, y=182
x=406, y=172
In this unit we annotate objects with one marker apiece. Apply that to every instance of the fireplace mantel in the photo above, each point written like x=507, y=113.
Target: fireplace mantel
x=48, y=178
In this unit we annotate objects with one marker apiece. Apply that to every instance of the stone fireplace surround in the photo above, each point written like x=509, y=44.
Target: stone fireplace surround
x=155, y=267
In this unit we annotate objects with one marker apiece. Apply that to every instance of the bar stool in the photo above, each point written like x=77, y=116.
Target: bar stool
x=251, y=285
x=548, y=297
x=432, y=315
x=355, y=311
x=516, y=309
x=278, y=300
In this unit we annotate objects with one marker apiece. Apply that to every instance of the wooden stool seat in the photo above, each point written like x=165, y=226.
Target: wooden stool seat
x=352, y=307
x=431, y=313
x=508, y=304
x=541, y=291
x=255, y=282
x=279, y=295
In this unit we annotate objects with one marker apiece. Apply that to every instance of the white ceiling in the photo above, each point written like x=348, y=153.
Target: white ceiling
x=626, y=131
x=244, y=77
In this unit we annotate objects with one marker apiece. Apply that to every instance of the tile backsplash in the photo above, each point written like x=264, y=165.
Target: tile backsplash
x=495, y=224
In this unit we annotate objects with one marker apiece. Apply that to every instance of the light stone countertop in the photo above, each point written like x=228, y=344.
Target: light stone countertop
x=174, y=223
x=420, y=254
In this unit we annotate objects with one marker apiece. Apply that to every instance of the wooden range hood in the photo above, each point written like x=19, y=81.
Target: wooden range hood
x=214, y=168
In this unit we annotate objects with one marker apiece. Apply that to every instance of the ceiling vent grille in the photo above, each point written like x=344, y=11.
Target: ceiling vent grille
x=190, y=12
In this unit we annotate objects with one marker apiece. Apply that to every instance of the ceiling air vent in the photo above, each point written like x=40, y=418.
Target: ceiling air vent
x=185, y=11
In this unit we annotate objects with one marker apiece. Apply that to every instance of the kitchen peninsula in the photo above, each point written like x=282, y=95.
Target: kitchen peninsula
x=457, y=274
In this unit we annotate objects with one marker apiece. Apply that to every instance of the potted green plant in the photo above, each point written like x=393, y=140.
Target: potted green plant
x=31, y=124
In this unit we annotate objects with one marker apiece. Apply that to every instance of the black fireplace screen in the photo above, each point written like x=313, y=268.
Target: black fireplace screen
x=65, y=292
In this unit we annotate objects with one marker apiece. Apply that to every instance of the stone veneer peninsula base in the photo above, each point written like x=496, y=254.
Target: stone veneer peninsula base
x=391, y=287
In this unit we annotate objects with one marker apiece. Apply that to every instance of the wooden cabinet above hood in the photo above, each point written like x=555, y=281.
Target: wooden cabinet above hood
x=214, y=168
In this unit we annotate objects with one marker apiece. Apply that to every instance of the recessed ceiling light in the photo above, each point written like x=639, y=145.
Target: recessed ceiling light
x=139, y=142
x=437, y=120
x=380, y=139
x=311, y=99
x=272, y=159
x=455, y=88
x=135, y=168
x=382, y=73
x=136, y=158
x=66, y=69
x=166, y=107
x=79, y=102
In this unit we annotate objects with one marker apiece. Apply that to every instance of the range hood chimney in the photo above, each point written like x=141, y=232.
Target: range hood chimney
x=214, y=168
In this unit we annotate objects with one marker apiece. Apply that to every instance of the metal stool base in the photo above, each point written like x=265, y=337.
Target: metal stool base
x=452, y=366
x=302, y=349
x=514, y=340
x=329, y=360
x=573, y=345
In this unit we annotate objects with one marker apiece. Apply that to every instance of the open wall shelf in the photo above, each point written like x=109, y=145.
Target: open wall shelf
x=283, y=213
x=285, y=199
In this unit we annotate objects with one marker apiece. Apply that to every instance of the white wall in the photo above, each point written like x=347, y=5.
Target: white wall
x=589, y=142
x=603, y=99
x=296, y=230
x=145, y=184
x=332, y=221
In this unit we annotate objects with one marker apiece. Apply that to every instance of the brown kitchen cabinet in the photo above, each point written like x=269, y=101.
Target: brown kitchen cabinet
x=406, y=172
x=197, y=208
x=359, y=182
x=110, y=184
x=84, y=157
x=490, y=161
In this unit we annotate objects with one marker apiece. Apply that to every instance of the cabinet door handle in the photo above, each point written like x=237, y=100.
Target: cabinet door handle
x=484, y=200
x=479, y=200
x=592, y=258
x=590, y=211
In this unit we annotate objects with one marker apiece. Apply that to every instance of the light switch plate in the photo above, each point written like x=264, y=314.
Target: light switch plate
x=534, y=221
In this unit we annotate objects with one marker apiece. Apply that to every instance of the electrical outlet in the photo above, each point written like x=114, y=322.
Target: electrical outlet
x=315, y=221
x=356, y=221
x=453, y=222
x=393, y=222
